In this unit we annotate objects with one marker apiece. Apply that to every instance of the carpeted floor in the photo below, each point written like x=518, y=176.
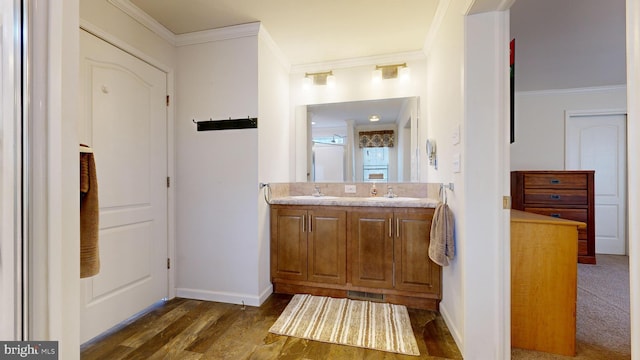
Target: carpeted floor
x=602, y=313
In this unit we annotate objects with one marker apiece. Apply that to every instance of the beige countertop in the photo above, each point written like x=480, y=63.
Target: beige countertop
x=378, y=201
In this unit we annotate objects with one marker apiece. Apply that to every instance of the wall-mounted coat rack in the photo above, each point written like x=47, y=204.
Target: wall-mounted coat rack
x=228, y=124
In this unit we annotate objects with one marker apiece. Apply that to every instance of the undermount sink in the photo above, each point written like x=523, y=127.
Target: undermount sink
x=397, y=198
x=313, y=197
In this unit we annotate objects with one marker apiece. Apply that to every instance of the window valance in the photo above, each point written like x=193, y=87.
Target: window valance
x=380, y=138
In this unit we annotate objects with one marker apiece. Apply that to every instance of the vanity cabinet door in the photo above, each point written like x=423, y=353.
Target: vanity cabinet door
x=414, y=271
x=372, y=249
x=288, y=244
x=327, y=246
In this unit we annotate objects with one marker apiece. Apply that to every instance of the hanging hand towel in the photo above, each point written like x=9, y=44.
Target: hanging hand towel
x=89, y=215
x=441, y=245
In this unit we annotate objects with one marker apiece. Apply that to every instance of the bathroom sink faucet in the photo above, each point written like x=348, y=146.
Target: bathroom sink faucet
x=316, y=191
x=390, y=193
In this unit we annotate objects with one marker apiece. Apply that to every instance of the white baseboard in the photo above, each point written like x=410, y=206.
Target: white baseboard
x=455, y=333
x=225, y=297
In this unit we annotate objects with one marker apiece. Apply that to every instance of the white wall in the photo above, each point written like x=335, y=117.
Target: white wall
x=444, y=108
x=217, y=172
x=633, y=164
x=63, y=204
x=467, y=82
x=9, y=164
x=540, y=122
x=485, y=164
x=273, y=142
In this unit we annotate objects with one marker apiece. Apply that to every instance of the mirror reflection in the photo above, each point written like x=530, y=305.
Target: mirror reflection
x=363, y=141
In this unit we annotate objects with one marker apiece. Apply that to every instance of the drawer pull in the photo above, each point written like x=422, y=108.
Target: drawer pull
x=555, y=181
x=555, y=197
x=555, y=215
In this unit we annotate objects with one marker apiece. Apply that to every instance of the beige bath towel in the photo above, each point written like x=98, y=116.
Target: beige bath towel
x=89, y=214
x=441, y=245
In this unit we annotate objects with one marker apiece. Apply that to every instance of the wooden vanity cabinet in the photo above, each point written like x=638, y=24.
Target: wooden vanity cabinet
x=308, y=244
x=390, y=249
x=371, y=248
x=414, y=271
x=341, y=251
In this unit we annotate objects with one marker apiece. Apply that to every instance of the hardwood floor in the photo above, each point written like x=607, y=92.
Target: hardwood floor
x=194, y=329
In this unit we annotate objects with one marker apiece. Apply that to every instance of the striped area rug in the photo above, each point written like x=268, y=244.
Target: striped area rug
x=365, y=324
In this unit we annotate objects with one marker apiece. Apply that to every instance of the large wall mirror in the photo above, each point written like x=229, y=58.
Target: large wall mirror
x=360, y=141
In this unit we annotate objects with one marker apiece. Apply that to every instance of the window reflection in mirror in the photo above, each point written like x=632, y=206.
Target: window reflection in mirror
x=345, y=146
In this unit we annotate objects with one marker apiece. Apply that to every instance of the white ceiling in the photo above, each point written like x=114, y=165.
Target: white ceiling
x=559, y=44
x=308, y=31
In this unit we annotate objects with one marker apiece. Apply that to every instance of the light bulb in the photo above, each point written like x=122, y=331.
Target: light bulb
x=404, y=73
x=306, y=82
x=376, y=75
x=331, y=81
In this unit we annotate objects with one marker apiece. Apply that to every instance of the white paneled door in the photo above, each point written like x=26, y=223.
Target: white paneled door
x=124, y=120
x=598, y=142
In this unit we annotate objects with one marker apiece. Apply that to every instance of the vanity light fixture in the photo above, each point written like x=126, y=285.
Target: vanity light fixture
x=319, y=78
x=374, y=118
x=383, y=72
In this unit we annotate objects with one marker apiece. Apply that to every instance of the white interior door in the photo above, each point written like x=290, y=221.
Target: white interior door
x=598, y=142
x=124, y=116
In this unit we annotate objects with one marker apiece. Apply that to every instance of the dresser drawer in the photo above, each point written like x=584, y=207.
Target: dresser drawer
x=581, y=215
x=555, y=181
x=569, y=214
x=556, y=197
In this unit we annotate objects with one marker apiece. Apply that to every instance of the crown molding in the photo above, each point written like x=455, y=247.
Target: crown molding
x=143, y=18
x=123, y=45
x=198, y=37
x=582, y=90
x=360, y=61
x=264, y=35
x=438, y=17
x=225, y=33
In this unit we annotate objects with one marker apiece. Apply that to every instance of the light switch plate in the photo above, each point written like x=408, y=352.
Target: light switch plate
x=350, y=189
x=456, y=163
x=506, y=202
x=455, y=136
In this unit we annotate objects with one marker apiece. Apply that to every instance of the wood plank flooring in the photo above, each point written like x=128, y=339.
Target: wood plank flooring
x=194, y=329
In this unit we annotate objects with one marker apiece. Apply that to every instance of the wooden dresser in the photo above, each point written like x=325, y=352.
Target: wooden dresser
x=560, y=194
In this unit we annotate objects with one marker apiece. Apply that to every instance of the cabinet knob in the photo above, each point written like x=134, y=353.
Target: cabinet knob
x=555, y=197
x=555, y=215
x=555, y=181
